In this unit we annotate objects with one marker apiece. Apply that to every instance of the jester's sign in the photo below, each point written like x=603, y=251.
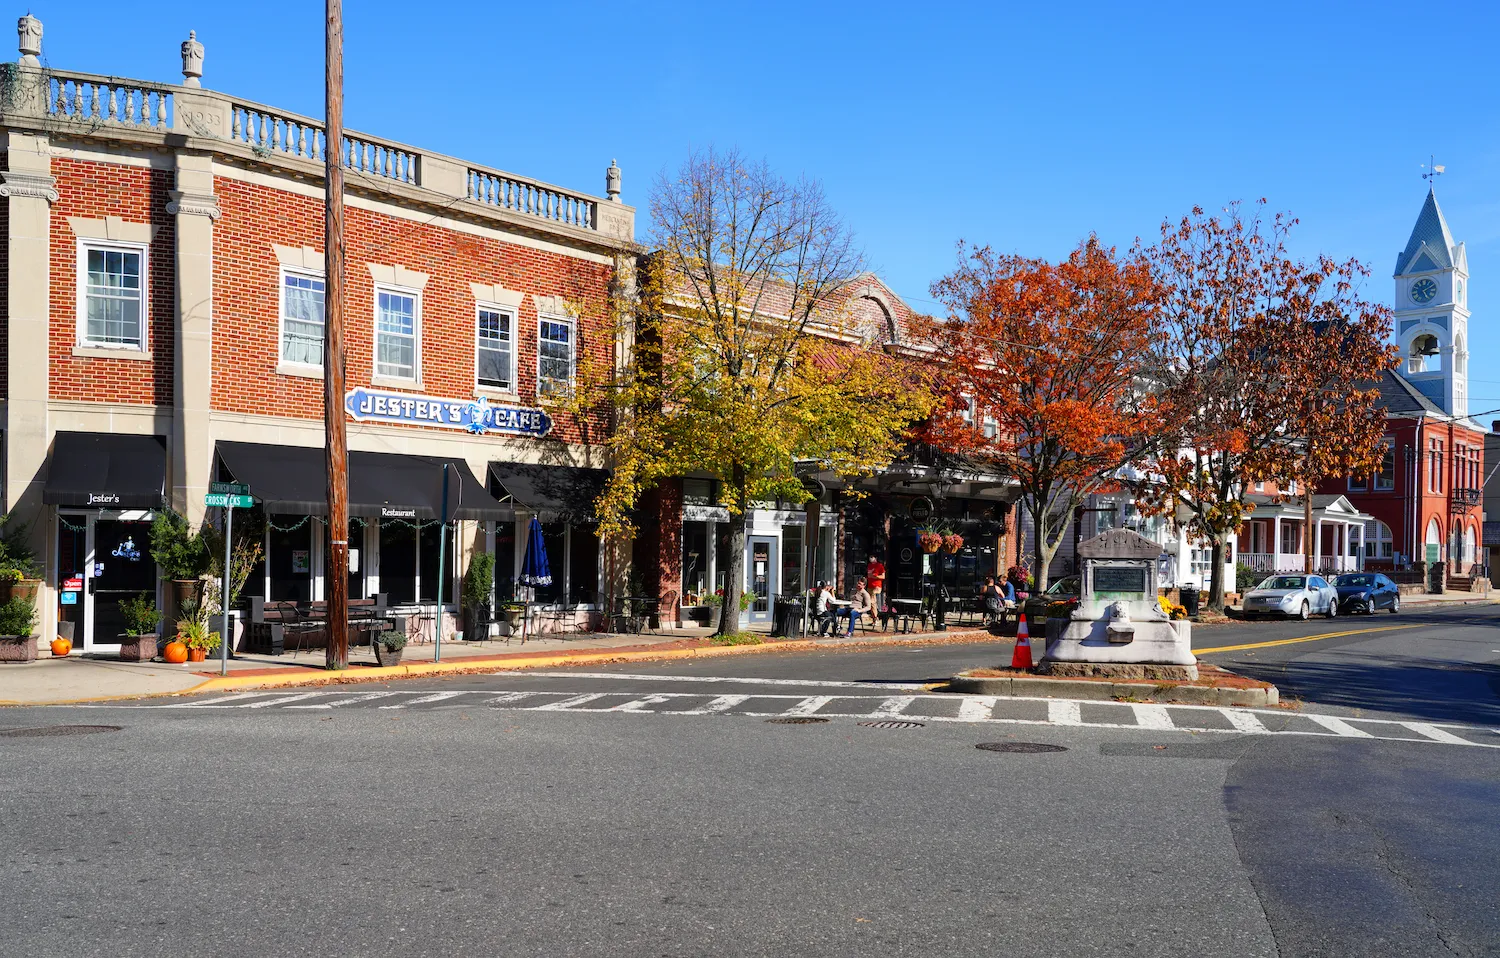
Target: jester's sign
x=478, y=416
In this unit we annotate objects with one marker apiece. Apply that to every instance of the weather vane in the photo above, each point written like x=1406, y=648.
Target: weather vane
x=1433, y=171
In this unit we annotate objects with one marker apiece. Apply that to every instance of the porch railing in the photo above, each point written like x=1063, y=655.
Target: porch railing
x=1293, y=562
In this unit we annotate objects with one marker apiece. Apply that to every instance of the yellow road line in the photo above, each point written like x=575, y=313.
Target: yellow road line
x=1309, y=638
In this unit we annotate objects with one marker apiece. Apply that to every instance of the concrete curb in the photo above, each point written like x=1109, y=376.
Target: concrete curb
x=552, y=660
x=1095, y=691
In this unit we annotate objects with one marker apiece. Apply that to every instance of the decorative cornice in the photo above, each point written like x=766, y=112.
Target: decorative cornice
x=193, y=204
x=39, y=185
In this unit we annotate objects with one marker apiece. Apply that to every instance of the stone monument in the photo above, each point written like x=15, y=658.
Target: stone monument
x=1118, y=629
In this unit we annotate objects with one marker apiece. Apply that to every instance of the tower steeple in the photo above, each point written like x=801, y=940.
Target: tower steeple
x=1432, y=315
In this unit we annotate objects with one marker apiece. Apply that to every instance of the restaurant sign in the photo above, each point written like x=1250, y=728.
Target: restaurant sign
x=478, y=416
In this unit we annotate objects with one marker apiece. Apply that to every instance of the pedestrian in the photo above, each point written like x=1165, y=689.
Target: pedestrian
x=875, y=576
x=994, y=600
x=860, y=603
x=825, y=619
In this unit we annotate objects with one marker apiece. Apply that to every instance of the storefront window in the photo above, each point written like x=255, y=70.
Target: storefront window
x=583, y=565
x=694, y=561
x=791, y=560
x=289, y=558
x=505, y=561
x=427, y=562
x=356, y=558
x=398, y=562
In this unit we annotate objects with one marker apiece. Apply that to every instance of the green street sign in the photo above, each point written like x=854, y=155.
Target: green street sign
x=224, y=501
x=229, y=488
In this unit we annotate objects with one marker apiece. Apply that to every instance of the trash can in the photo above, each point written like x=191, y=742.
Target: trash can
x=1437, y=578
x=1189, y=593
x=786, y=617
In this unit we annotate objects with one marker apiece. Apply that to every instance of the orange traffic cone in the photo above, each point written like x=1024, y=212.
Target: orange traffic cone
x=1021, y=657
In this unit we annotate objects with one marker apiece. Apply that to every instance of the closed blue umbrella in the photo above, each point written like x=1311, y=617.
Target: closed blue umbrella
x=535, y=570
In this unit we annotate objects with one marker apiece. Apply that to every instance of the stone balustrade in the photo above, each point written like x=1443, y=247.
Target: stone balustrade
x=88, y=99
x=67, y=103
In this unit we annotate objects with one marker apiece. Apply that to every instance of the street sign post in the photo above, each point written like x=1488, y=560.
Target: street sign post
x=228, y=496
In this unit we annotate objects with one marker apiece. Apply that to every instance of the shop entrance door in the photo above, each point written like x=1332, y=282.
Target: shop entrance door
x=760, y=577
x=102, y=560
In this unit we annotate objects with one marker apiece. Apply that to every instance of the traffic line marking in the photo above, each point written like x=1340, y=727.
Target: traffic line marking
x=1339, y=727
x=809, y=705
x=1063, y=712
x=1153, y=716
x=1436, y=734
x=1305, y=638
x=977, y=708
x=726, y=680
x=1245, y=722
x=721, y=703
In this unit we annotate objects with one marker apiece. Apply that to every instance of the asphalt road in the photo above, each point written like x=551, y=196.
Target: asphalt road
x=657, y=811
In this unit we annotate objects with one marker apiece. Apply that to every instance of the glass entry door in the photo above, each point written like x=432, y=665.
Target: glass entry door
x=760, y=577
x=102, y=560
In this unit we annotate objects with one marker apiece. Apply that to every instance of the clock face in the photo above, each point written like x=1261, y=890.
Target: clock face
x=1460, y=291
x=1423, y=290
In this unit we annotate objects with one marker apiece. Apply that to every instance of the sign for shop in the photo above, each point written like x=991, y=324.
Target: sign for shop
x=478, y=416
x=74, y=584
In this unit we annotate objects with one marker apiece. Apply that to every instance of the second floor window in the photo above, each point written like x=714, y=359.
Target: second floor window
x=555, y=355
x=495, y=354
x=1435, y=467
x=1385, y=479
x=113, y=297
x=396, y=332
x=301, y=319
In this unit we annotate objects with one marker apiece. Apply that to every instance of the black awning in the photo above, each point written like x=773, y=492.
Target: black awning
x=101, y=470
x=294, y=479
x=552, y=492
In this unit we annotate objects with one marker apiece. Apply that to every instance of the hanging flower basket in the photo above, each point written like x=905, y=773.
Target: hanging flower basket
x=952, y=543
x=929, y=541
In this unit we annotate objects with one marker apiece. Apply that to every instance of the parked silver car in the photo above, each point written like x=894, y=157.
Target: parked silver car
x=1296, y=596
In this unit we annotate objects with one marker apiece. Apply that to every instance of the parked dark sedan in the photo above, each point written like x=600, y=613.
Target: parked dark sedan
x=1367, y=592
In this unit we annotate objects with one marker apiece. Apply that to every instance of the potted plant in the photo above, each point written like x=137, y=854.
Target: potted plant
x=715, y=606
x=952, y=542
x=478, y=584
x=17, y=623
x=181, y=553
x=243, y=557
x=20, y=573
x=199, y=639
x=138, y=644
x=930, y=540
x=388, y=647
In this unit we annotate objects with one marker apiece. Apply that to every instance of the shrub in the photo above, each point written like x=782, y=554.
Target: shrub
x=181, y=552
x=17, y=558
x=141, y=614
x=17, y=617
x=736, y=638
x=391, y=641
x=480, y=581
x=1245, y=578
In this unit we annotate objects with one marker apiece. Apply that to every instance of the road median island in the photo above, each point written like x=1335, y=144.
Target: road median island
x=1214, y=686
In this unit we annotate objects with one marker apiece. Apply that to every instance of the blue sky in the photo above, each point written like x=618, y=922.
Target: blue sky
x=1024, y=127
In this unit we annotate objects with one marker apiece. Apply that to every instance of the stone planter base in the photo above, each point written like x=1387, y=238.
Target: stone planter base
x=137, y=648
x=17, y=648
x=387, y=658
x=1137, y=672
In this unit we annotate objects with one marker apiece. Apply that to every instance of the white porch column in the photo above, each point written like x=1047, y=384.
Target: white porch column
x=1276, y=544
x=1360, y=556
x=1317, y=543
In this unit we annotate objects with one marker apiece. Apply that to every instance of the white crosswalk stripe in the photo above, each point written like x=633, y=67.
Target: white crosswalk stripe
x=927, y=708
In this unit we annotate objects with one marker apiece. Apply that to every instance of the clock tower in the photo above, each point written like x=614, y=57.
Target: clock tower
x=1432, y=311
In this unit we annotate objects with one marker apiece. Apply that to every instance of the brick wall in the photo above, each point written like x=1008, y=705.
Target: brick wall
x=95, y=191
x=247, y=301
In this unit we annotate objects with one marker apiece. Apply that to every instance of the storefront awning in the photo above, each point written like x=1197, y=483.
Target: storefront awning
x=294, y=479
x=99, y=470
x=551, y=492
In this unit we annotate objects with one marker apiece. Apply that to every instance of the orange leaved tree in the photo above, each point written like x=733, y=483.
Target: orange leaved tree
x=1039, y=375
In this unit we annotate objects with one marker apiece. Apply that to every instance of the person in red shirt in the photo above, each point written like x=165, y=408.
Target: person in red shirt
x=875, y=575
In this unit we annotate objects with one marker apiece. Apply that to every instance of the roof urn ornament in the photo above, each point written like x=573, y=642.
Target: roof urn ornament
x=192, y=60
x=29, y=32
x=612, y=182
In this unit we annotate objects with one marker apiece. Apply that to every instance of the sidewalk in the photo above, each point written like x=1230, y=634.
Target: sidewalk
x=77, y=678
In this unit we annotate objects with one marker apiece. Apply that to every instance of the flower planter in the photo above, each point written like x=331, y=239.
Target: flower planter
x=476, y=623
x=387, y=657
x=17, y=648
x=138, y=648
x=930, y=542
x=951, y=544
x=715, y=615
x=26, y=589
x=197, y=655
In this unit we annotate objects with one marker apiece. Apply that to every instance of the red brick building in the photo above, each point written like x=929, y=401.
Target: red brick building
x=162, y=322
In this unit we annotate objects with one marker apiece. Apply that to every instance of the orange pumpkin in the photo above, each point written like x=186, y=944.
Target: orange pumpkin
x=175, y=653
x=61, y=646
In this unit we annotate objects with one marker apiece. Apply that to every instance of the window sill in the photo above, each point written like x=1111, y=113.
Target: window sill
x=105, y=352
x=509, y=395
x=391, y=382
x=300, y=371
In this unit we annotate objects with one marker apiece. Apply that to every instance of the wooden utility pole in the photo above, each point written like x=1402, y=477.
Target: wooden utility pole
x=336, y=571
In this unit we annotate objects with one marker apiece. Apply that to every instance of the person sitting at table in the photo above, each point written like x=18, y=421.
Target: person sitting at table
x=825, y=614
x=993, y=599
x=861, y=603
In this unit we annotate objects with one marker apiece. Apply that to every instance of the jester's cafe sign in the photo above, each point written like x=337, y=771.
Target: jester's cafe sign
x=478, y=416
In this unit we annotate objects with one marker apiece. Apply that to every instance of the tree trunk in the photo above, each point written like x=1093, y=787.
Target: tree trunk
x=1042, y=550
x=1216, y=575
x=734, y=584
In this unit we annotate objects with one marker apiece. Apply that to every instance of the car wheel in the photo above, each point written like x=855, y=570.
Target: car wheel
x=1395, y=604
x=1333, y=608
x=1304, y=612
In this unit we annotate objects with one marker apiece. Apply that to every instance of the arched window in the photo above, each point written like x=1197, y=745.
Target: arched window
x=1460, y=354
x=1425, y=355
x=1434, y=533
x=1378, y=541
x=1471, y=542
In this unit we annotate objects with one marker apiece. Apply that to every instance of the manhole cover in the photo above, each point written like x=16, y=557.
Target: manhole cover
x=797, y=720
x=57, y=730
x=1020, y=747
x=893, y=724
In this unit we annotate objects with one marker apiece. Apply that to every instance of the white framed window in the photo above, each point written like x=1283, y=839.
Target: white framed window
x=398, y=332
x=556, y=354
x=1385, y=479
x=301, y=318
x=1357, y=483
x=112, y=295
x=495, y=355
x=1378, y=541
